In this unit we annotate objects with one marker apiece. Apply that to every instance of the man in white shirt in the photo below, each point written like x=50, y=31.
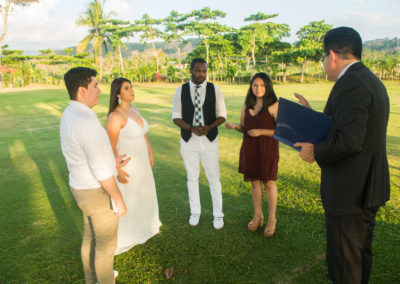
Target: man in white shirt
x=91, y=165
x=198, y=109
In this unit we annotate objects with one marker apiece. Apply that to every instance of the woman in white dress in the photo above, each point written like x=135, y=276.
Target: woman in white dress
x=127, y=131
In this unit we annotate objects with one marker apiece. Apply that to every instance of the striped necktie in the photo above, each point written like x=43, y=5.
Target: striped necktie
x=197, y=108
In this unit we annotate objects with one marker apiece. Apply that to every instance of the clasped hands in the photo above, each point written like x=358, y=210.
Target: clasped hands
x=120, y=162
x=200, y=130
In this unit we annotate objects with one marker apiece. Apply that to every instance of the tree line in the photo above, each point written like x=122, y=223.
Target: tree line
x=234, y=55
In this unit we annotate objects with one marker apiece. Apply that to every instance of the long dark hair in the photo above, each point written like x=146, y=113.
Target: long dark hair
x=268, y=99
x=116, y=90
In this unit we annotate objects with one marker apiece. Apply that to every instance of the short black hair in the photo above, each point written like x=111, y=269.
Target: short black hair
x=197, y=60
x=343, y=41
x=78, y=77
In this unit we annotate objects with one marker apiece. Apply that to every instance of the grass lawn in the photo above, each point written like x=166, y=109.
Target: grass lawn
x=41, y=225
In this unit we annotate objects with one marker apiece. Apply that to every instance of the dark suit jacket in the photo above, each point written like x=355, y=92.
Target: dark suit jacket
x=353, y=159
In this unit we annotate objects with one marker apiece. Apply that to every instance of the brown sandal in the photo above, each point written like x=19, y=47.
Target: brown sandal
x=255, y=223
x=270, y=228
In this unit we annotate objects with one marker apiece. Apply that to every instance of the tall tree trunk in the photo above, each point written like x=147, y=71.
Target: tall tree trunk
x=207, y=54
x=6, y=11
x=155, y=56
x=253, y=51
x=179, y=56
x=179, y=61
x=302, y=70
x=283, y=72
x=121, y=61
x=100, y=64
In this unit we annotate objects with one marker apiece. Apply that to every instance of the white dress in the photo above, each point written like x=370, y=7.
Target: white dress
x=141, y=221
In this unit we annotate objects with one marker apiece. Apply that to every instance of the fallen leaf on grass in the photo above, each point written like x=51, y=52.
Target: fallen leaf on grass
x=169, y=272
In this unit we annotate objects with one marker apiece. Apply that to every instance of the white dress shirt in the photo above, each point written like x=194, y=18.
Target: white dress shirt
x=346, y=68
x=86, y=147
x=219, y=101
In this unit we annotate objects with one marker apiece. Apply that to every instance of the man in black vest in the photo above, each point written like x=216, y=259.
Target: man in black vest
x=198, y=109
x=353, y=160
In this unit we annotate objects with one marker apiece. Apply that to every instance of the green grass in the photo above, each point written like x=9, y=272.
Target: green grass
x=41, y=226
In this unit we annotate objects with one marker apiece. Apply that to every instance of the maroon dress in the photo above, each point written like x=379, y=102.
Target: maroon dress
x=259, y=156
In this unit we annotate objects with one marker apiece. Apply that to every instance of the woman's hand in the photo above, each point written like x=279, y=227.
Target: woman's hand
x=254, y=132
x=122, y=175
x=230, y=125
x=151, y=159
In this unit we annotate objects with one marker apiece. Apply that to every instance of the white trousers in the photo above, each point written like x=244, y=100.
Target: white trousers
x=196, y=150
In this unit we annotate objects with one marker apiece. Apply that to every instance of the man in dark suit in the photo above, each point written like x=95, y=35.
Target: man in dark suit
x=353, y=159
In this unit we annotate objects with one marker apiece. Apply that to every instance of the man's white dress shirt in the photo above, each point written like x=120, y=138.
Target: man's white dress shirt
x=86, y=147
x=344, y=70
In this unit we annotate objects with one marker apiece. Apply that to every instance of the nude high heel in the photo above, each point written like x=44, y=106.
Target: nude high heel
x=255, y=223
x=270, y=228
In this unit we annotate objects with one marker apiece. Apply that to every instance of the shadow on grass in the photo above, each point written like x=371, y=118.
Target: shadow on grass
x=393, y=145
x=48, y=226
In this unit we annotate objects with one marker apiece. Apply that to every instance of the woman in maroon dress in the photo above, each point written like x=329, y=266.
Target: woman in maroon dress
x=259, y=154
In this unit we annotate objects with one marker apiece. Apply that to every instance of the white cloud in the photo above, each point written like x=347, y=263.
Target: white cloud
x=43, y=25
x=123, y=10
x=33, y=27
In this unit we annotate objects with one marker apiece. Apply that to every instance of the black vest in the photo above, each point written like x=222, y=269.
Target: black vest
x=209, y=115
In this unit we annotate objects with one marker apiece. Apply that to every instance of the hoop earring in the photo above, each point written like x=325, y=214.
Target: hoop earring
x=119, y=100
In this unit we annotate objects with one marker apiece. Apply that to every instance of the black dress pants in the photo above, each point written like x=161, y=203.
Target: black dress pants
x=349, y=253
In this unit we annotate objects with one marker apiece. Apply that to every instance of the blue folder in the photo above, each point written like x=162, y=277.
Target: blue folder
x=296, y=123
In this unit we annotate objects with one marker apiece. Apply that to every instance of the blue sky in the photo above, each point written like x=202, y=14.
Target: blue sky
x=51, y=23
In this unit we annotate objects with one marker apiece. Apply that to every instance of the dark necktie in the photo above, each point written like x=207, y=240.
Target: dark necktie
x=197, y=108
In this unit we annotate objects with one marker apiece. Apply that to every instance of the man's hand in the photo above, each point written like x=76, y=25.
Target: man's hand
x=204, y=129
x=111, y=187
x=302, y=100
x=306, y=152
x=121, y=208
x=197, y=130
x=254, y=132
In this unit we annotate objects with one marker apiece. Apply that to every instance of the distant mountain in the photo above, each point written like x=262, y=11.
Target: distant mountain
x=169, y=48
x=387, y=45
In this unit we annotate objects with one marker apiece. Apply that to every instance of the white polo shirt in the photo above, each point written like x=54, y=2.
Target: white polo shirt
x=86, y=147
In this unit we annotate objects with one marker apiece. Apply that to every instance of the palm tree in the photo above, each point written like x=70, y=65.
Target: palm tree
x=150, y=31
x=93, y=18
